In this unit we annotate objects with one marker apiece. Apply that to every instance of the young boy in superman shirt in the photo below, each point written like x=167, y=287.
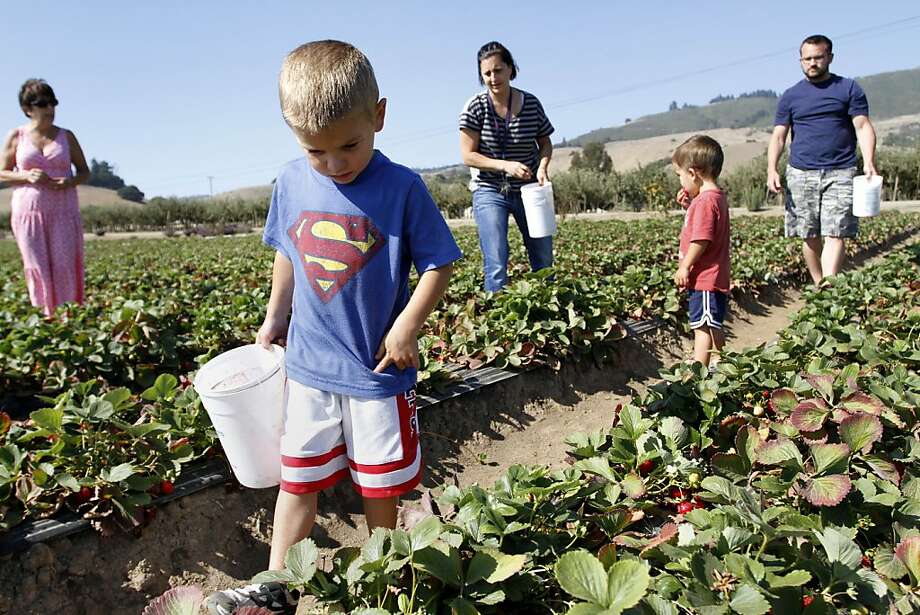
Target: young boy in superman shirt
x=347, y=225
x=704, y=268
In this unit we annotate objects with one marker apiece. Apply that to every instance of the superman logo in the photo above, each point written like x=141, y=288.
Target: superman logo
x=334, y=248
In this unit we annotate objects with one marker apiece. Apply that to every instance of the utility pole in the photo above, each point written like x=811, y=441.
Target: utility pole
x=211, y=184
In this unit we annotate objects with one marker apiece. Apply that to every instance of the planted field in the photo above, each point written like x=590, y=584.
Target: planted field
x=98, y=416
x=787, y=482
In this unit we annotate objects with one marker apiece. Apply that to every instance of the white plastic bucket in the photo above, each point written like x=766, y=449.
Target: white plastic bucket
x=867, y=196
x=243, y=392
x=539, y=209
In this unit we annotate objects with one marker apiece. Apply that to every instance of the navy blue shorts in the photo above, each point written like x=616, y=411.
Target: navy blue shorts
x=707, y=308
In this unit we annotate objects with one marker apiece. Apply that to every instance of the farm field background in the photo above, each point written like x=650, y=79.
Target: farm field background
x=156, y=309
x=100, y=416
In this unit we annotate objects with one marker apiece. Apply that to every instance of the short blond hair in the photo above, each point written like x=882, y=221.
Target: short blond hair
x=701, y=153
x=323, y=81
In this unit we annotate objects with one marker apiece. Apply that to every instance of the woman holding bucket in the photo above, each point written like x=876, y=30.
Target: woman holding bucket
x=504, y=138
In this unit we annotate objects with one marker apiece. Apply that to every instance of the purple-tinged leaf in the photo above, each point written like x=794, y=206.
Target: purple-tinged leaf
x=827, y=490
x=908, y=552
x=779, y=452
x=883, y=468
x=861, y=402
x=830, y=457
x=814, y=437
x=253, y=610
x=838, y=415
x=666, y=533
x=809, y=415
x=860, y=431
x=185, y=600
x=782, y=401
x=823, y=384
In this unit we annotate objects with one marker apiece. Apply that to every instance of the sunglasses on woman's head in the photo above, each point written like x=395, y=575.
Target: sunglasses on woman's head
x=42, y=103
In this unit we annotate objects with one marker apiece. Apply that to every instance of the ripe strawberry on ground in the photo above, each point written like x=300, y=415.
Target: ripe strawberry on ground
x=807, y=600
x=684, y=507
x=166, y=487
x=84, y=495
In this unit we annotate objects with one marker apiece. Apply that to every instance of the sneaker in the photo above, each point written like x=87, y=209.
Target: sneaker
x=272, y=596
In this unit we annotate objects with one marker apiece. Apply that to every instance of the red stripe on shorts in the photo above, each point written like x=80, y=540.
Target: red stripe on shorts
x=385, y=468
x=313, y=462
x=317, y=485
x=389, y=492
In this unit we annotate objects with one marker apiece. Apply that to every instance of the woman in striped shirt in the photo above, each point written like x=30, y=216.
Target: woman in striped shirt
x=504, y=138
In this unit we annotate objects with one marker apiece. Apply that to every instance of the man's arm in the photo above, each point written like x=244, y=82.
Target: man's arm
x=400, y=345
x=774, y=151
x=865, y=134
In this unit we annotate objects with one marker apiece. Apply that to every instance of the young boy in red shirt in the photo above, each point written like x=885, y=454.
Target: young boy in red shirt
x=704, y=242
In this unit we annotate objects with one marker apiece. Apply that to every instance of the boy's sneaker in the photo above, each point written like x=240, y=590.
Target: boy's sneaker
x=272, y=596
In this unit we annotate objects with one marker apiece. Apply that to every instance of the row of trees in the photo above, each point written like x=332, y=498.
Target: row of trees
x=591, y=184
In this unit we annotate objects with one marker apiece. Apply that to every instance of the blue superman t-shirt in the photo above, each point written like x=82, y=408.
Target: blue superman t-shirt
x=352, y=247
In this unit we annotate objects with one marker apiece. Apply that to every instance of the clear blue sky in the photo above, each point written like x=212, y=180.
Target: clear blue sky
x=174, y=91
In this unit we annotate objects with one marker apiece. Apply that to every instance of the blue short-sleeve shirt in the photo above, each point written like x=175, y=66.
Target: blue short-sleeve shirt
x=352, y=247
x=821, y=118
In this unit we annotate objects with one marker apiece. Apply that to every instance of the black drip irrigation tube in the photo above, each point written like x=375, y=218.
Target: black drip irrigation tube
x=199, y=476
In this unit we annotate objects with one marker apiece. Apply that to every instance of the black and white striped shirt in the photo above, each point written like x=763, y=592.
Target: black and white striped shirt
x=521, y=144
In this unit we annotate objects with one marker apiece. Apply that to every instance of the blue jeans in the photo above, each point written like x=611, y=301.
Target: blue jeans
x=491, y=209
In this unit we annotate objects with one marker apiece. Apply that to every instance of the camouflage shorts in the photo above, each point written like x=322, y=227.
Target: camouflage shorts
x=819, y=203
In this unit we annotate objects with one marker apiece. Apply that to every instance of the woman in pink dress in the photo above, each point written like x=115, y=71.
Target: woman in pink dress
x=37, y=159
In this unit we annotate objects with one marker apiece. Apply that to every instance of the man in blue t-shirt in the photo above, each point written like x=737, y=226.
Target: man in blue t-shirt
x=827, y=114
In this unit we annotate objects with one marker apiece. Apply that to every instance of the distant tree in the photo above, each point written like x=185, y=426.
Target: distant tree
x=593, y=157
x=102, y=174
x=628, y=120
x=672, y=106
x=721, y=98
x=131, y=193
x=759, y=94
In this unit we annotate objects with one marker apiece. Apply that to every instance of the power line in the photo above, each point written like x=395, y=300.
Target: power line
x=424, y=134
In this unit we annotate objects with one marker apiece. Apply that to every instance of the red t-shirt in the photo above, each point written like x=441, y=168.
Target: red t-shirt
x=707, y=220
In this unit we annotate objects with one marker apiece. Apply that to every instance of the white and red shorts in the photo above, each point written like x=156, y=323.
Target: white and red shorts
x=328, y=437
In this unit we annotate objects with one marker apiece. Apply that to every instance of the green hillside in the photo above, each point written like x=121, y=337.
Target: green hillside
x=890, y=95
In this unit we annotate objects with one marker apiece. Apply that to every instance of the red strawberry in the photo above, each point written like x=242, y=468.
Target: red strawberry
x=684, y=507
x=84, y=495
x=698, y=503
x=677, y=493
x=806, y=600
x=766, y=394
x=646, y=466
x=166, y=487
x=150, y=513
x=866, y=561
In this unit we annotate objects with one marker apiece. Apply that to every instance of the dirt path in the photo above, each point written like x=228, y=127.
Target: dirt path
x=542, y=441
